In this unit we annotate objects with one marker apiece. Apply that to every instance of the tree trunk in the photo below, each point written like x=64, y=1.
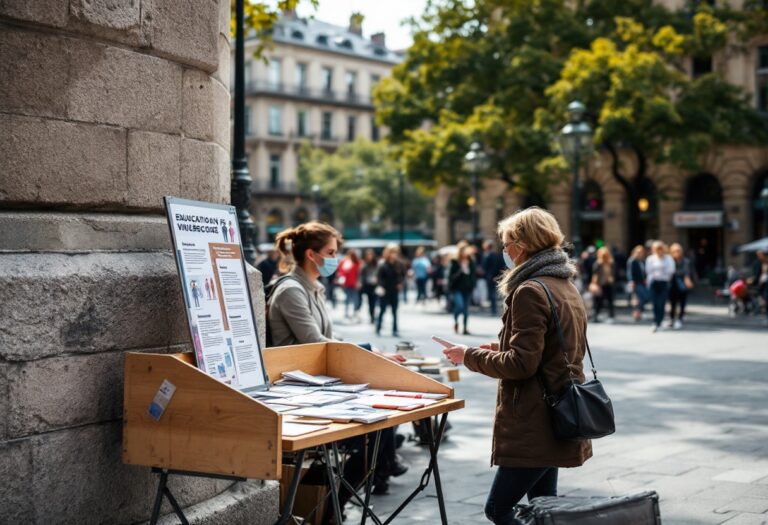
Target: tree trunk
x=632, y=192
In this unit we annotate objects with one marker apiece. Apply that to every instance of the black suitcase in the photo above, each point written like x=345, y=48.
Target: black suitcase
x=634, y=509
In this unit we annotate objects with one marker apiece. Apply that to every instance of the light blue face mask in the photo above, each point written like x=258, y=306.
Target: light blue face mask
x=508, y=260
x=330, y=264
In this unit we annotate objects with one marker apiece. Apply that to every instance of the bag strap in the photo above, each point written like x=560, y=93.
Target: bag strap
x=556, y=320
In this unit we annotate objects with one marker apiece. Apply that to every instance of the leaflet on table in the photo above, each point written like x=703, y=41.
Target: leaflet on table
x=344, y=413
x=212, y=271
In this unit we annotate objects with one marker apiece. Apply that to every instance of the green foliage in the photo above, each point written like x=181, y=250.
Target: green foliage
x=360, y=182
x=503, y=72
x=260, y=17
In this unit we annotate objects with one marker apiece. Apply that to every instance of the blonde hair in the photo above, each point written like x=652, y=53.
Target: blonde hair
x=294, y=242
x=391, y=248
x=604, y=256
x=533, y=230
x=638, y=250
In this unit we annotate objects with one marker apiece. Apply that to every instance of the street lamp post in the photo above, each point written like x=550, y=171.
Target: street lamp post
x=316, y=198
x=575, y=143
x=475, y=162
x=240, y=192
x=764, y=199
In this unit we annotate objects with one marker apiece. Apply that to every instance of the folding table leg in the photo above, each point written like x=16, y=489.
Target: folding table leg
x=159, y=497
x=332, y=485
x=371, y=474
x=292, y=490
x=434, y=445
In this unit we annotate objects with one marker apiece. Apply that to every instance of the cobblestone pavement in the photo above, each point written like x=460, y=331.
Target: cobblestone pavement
x=691, y=409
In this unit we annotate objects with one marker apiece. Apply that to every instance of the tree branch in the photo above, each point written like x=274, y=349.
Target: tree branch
x=615, y=169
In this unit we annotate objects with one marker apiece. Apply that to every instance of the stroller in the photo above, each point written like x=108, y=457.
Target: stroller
x=740, y=299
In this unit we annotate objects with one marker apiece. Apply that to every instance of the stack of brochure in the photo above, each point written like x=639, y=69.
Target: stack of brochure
x=345, y=413
x=299, y=378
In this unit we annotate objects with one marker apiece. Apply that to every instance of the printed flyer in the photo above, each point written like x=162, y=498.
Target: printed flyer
x=209, y=258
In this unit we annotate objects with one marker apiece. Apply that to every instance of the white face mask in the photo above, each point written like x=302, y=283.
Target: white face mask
x=508, y=260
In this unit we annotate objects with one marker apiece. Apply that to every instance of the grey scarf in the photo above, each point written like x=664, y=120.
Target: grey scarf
x=552, y=262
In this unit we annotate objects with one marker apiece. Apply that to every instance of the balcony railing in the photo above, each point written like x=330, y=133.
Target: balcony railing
x=306, y=93
x=268, y=186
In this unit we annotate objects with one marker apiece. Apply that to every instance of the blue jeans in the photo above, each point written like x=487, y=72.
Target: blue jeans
x=421, y=289
x=351, y=297
x=493, y=295
x=461, y=306
x=659, y=294
x=511, y=484
x=641, y=293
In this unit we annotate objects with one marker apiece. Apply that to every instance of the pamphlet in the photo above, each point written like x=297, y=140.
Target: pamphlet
x=344, y=413
x=293, y=428
x=209, y=258
x=303, y=377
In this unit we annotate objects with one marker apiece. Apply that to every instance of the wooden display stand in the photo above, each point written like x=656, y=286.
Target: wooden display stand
x=211, y=429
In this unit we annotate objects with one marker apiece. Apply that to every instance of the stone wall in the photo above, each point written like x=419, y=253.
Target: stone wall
x=104, y=108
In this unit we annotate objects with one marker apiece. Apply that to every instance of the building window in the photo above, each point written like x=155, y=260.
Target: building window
x=302, y=123
x=274, y=172
x=351, y=80
x=701, y=66
x=326, y=76
x=375, y=136
x=275, y=69
x=375, y=79
x=351, y=125
x=275, y=120
x=301, y=77
x=325, y=132
x=247, y=70
x=762, y=78
x=247, y=120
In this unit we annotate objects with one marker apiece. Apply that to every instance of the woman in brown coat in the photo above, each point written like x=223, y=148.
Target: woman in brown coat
x=526, y=359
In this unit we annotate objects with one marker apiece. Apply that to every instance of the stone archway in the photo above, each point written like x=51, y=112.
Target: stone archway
x=702, y=218
x=759, y=207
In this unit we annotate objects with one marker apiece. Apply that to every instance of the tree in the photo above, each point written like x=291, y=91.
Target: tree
x=502, y=72
x=261, y=16
x=643, y=101
x=360, y=182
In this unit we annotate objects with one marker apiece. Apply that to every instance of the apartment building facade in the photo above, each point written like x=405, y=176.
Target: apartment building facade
x=314, y=87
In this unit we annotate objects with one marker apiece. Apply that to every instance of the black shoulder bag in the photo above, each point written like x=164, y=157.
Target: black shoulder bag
x=583, y=410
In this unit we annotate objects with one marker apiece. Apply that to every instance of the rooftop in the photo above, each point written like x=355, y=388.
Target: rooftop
x=312, y=33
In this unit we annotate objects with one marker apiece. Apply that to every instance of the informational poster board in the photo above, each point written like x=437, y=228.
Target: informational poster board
x=209, y=257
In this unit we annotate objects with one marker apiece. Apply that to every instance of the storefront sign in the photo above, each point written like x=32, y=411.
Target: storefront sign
x=698, y=219
x=209, y=257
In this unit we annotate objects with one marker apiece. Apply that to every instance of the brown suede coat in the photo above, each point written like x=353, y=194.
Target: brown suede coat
x=522, y=430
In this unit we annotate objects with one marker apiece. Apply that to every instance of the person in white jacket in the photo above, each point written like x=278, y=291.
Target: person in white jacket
x=659, y=269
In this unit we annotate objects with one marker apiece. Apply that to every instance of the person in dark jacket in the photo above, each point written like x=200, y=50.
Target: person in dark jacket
x=679, y=285
x=529, y=351
x=390, y=276
x=493, y=267
x=636, y=281
x=461, y=282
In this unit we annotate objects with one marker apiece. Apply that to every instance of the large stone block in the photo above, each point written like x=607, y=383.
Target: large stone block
x=52, y=162
x=33, y=70
x=204, y=171
x=78, y=232
x=102, y=489
x=47, y=12
x=87, y=303
x=224, y=20
x=225, y=58
x=118, y=20
x=59, y=392
x=112, y=85
x=205, y=108
x=153, y=168
x=15, y=472
x=4, y=404
x=184, y=30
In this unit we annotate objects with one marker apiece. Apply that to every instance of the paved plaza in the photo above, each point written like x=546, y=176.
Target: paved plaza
x=691, y=413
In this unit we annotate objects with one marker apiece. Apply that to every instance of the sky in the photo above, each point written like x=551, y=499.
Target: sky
x=380, y=15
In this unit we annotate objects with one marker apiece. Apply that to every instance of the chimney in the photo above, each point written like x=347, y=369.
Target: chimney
x=379, y=40
x=356, y=24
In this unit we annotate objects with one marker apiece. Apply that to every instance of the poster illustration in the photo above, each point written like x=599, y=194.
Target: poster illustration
x=209, y=258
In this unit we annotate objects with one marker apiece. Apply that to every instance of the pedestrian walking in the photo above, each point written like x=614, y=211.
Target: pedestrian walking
x=493, y=268
x=659, y=267
x=602, y=283
x=679, y=285
x=390, y=277
x=438, y=277
x=760, y=278
x=529, y=353
x=421, y=267
x=636, y=281
x=461, y=283
x=367, y=277
x=348, y=278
